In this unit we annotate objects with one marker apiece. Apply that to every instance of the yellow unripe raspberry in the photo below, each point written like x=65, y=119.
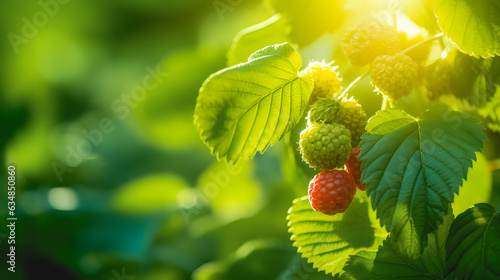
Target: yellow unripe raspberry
x=326, y=80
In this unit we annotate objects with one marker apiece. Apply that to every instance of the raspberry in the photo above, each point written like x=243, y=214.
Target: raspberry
x=369, y=39
x=438, y=78
x=353, y=118
x=326, y=80
x=325, y=110
x=395, y=75
x=353, y=167
x=346, y=112
x=325, y=146
x=331, y=191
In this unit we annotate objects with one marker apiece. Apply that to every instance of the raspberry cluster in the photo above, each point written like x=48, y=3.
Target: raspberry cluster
x=335, y=124
x=376, y=42
x=326, y=143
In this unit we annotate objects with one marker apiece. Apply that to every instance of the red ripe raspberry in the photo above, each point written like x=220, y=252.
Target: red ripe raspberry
x=353, y=166
x=331, y=191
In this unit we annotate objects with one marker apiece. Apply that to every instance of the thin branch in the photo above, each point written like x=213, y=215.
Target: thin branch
x=358, y=79
x=437, y=36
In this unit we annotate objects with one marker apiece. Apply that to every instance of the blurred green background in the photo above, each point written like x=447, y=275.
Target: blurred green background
x=112, y=180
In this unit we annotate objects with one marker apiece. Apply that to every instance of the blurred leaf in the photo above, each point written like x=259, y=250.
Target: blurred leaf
x=473, y=26
x=421, y=12
x=231, y=191
x=168, y=105
x=163, y=273
x=491, y=112
x=260, y=259
x=477, y=187
x=210, y=271
x=30, y=150
x=249, y=106
x=269, y=32
x=475, y=79
x=391, y=263
x=327, y=241
x=309, y=20
x=149, y=194
x=473, y=245
x=412, y=167
x=127, y=237
x=267, y=223
x=299, y=268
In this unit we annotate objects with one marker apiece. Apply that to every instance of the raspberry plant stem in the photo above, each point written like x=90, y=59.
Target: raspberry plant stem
x=357, y=80
x=390, y=103
x=437, y=36
x=394, y=19
x=384, y=103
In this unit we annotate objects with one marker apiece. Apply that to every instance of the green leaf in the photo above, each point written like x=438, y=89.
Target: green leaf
x=149, y=194
x=475, y=79
x=253, y=38
x=421, y=12
x=259, y=259
x=491, y=112
x=327, y=241
x=473, y=245
x=390, y=263
x=308, y=20
x=249, y=106
x=474, y=26
x=413, y=166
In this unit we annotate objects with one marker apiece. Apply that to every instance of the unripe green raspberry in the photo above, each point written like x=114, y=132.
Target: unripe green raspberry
x=369, y=39
x=353, y=118
x=326, y=80
x=347, y=112
x=324, y=110
x=325, y=146
x=394, y=75
x=438, y=78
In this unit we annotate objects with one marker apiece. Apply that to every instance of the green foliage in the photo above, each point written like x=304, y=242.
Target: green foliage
x=422, y=13
x=309, y=20
x=413, y=166
x=491, y=112
x=148, y=195
x=473, y=245
x=327, y=241
x=475, y=80
x=247, y=107
x=253, y=38
x=253, y=260
x=473, y=26
x=391, y=263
